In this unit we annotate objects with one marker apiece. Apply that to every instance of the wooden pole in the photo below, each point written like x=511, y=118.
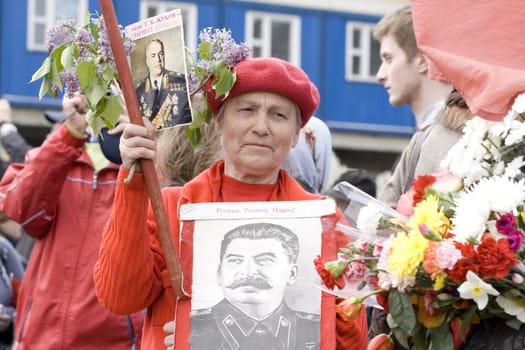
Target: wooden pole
x=148, y=169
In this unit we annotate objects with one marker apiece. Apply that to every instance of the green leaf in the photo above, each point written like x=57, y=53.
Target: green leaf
x=514, y=324
x=54, y=76
x=217, y=68
x=224, y=84
x=95, y=92
x=94, y=121
x=194, y=136
x=402, y=311
x=86, y=73
x=109, y=73
x=44, y=69
x=399, y=333
x=56, y=56
x=113, y=110
x=441, y=338
x=45, y=88
x=67, y=58
x=205, y=51
x=419, y=340
x=467, y=320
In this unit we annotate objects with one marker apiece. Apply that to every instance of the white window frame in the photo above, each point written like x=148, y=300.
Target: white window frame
x=48, y=19
x=363, y=52
x=265, y=42
x=189, y=11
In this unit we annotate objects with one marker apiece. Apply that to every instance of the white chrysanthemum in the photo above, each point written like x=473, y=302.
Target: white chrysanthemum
x=470, y=216
x=383, y=280
x=402, y=283
x=368, y=219
x=468, y=223
x=516, y=135
x=477, y=154
x=513, y=168
x=499, y=168
x=519, y=103
x=502, y=194
x=473, y=207
x=467, y=158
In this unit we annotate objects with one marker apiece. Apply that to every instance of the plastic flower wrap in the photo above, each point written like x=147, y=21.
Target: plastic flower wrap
x=81, y=60
x=459, y=257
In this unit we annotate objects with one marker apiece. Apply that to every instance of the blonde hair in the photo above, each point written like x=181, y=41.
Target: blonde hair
x=177, y=162
x=399, y=25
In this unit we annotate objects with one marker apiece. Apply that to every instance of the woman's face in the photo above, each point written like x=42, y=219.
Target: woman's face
x=257, y=131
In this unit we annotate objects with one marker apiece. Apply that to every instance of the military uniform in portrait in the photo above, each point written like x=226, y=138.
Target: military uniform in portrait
x=165, y=102
x=224, y=327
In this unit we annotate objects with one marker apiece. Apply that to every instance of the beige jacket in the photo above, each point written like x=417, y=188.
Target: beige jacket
x=433, y=147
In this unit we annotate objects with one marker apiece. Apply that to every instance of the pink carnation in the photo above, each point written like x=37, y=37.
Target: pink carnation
x=405, y=204
x=447, y=255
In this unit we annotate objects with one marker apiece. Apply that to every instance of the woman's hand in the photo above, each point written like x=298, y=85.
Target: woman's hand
x=169, y=340
x=75, y=109
x=137, y=142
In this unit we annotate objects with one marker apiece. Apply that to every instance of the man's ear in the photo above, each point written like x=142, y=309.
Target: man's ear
x=294, y=270
x=422, y=63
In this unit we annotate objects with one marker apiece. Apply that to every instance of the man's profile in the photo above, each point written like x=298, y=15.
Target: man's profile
x=258, y=261
x=163, y=96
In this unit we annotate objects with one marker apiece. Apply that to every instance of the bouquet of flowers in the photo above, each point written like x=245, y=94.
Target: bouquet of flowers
x=459, y=257
x=81, y=60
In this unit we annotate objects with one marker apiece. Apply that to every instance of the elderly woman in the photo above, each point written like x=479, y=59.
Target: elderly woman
x=258, y=123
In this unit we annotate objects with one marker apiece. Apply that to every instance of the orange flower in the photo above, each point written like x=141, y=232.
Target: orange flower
x=430, y=263
x=349, y=308
x=381, y=342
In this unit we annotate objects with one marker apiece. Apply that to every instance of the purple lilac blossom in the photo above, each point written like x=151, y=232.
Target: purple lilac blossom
x=70, y=81
x=62, y=32
x=82, y=38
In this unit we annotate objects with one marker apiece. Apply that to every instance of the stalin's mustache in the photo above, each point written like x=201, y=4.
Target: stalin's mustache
x=253, y=281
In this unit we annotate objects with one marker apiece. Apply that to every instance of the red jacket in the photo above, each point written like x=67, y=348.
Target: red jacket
x=131, y=273
x=60, y=200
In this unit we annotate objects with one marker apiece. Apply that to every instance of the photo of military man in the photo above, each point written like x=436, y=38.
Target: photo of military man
x=163, y=94
x=258, y=262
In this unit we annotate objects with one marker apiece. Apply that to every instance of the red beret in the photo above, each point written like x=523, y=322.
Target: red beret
x=273, y=75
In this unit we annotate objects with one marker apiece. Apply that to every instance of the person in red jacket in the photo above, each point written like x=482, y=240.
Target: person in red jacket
x=62, y=196
x=258, y=123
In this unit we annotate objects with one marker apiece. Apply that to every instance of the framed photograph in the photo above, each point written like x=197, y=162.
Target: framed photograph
x=249, y=268
x=158, y=68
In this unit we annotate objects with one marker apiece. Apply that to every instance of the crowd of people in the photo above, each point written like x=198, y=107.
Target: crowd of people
x=81, y=262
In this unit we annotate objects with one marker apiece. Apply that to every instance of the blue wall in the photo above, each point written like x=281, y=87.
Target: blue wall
x=345, y=106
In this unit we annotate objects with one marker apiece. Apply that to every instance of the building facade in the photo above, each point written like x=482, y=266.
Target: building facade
x=331, y=40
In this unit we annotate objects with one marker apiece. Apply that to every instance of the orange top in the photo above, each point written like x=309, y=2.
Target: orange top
x=477, y=46
x=131, y=273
